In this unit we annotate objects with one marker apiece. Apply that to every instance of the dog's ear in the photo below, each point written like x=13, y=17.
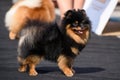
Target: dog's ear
x=68, y=13
x=82, y=11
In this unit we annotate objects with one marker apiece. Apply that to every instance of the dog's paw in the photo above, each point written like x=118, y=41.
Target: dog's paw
x=12, y=36
x=69, y=72
x=33, y=73
x=22, y=69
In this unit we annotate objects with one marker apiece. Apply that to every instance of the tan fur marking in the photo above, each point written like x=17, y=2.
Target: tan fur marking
x=32, y=71
x=75, y=50
x=65, y=64
x=75, y=37
x=80, y=39
x=62, y=59
x=32, y=61
x=22, y=67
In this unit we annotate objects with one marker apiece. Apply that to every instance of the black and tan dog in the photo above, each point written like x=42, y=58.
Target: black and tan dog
x=58, y=44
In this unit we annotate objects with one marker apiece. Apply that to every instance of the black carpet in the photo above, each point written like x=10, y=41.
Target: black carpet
x=100, y=60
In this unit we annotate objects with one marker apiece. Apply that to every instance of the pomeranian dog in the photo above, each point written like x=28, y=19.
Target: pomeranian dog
x=24, y=10
x=60, y=44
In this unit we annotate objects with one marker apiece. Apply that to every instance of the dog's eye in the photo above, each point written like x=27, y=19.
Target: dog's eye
x=83, y=22
x=82, y=25
x=74, y=24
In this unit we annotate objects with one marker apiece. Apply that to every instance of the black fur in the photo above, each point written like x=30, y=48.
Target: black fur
x=59, y=44
x=51, y=41
x=48, y=40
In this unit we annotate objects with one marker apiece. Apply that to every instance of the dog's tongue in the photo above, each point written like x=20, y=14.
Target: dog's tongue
x=80, y=32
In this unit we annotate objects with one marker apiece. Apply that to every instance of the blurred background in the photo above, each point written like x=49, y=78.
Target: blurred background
x=99, y=60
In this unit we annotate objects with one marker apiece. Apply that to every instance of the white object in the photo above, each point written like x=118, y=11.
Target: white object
x=99, y=12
